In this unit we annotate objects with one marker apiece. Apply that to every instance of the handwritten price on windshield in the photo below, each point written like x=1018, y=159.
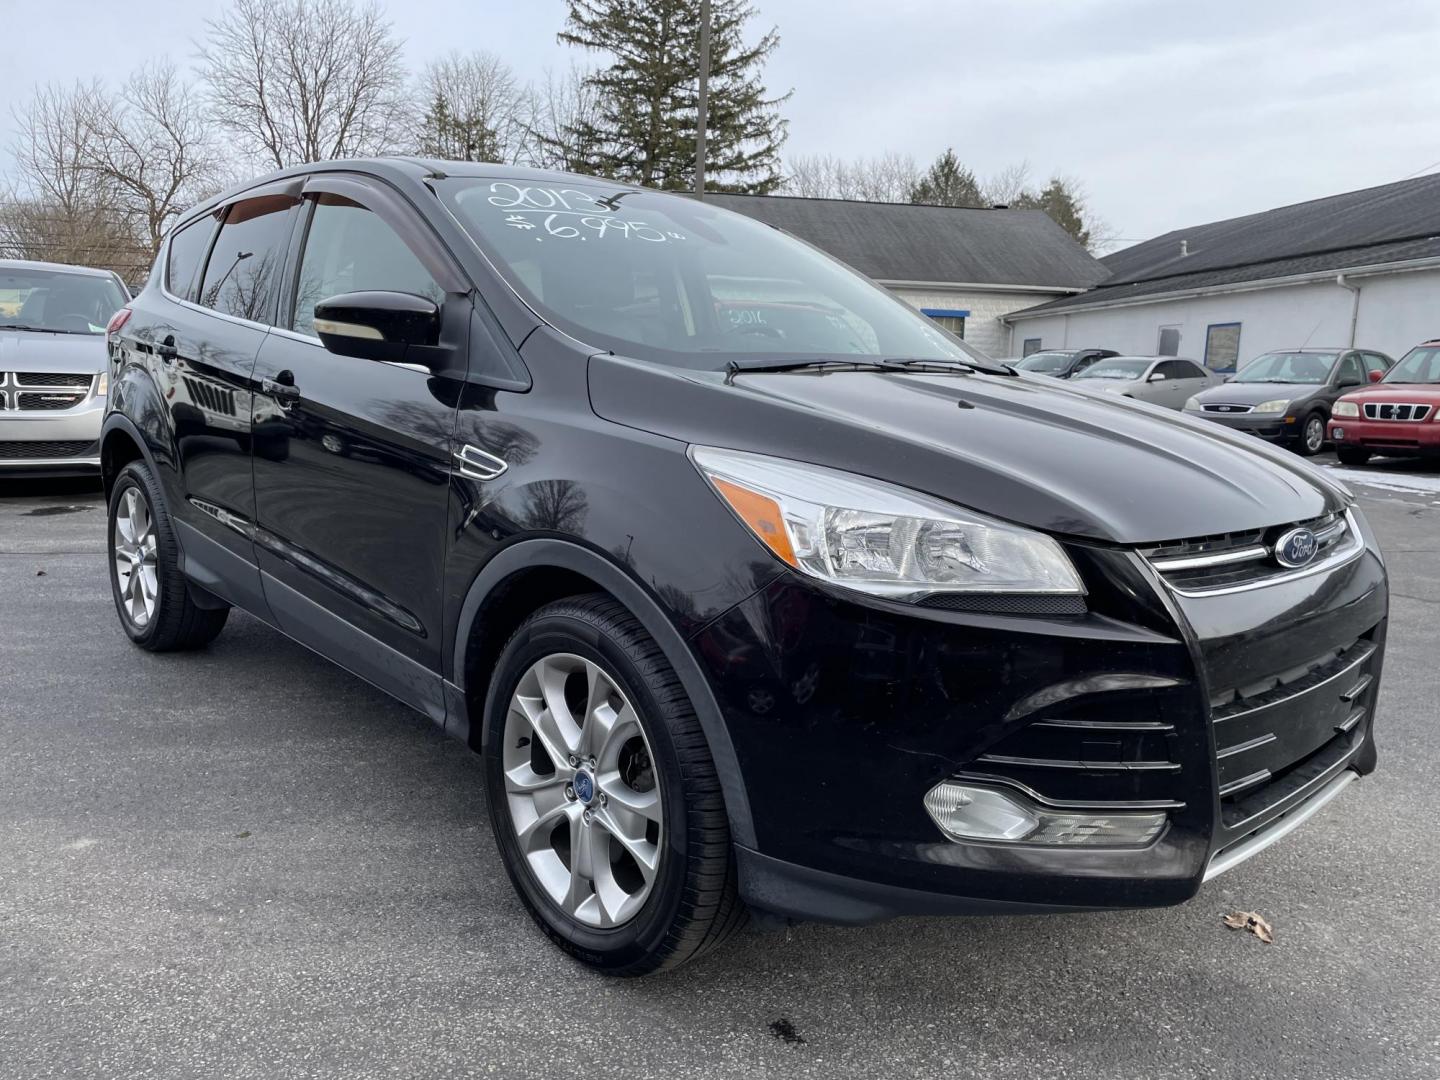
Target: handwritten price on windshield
x=569, y=214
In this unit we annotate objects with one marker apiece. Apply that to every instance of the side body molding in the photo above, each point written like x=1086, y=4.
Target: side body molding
x=563, y=555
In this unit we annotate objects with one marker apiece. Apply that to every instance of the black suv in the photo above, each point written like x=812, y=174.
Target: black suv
x=1062, y=363
x=753, y=588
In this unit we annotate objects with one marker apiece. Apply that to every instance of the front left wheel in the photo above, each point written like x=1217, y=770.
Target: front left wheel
x=1312, y=435
x=151, y=597
x=604, y=799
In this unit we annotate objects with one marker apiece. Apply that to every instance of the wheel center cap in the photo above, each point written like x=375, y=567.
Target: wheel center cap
x=584, y=785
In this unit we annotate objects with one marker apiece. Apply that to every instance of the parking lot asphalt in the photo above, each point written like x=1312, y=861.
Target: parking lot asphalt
x=247, y=863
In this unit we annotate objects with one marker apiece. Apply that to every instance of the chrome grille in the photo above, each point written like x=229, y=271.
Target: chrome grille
x=1222, y=407
x=35, y=391
x=1394, y=410
x=1226, y=562
x=50, y=379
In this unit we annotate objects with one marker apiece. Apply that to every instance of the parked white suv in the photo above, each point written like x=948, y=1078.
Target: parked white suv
x=52, y=365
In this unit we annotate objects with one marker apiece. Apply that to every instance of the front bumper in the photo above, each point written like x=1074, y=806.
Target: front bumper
x=1273, y=427
x=65, y=442
x=1386, y=436
x=844, y=712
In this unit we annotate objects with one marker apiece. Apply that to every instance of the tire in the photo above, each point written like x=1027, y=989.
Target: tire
x=618, y=921
x=1352, y=455
x=1309, y=444
x=173, y=621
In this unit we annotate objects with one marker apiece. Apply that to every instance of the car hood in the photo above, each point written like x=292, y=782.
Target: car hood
x=1043, y=454
x=1397, y=392
x=1238, y=393
x=26, y=350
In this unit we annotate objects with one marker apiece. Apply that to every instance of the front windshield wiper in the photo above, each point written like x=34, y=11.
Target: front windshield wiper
x=40, y=329
x=940, y=367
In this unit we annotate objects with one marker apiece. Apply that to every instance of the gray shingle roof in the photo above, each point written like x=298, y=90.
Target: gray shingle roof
x=1391, y=223
x=905, y=242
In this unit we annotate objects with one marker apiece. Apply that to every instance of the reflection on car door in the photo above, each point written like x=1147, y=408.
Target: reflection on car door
x=205, y=346
x=352, y=475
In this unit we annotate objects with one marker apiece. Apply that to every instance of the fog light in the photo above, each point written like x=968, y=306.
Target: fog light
x=968, y=812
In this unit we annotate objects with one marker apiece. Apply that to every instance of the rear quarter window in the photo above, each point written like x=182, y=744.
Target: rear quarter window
x=186, y=253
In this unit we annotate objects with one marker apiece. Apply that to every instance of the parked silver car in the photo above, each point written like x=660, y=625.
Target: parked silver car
x=52, y=365
x=1161, y=380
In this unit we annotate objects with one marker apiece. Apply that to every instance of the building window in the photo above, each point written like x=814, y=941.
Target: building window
x=1032, y=345
x=948, y=318
x=1222, y=346
x=1169, y=344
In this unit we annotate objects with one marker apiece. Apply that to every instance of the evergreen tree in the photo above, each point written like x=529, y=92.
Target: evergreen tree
x=647, y=95
x=948, y=183
x=1064, y=204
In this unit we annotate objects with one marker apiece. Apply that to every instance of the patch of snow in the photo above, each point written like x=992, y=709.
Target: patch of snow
x=1388, y=481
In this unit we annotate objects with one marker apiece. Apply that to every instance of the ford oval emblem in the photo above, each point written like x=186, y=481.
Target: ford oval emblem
x=584, y=787
x=1296, y=548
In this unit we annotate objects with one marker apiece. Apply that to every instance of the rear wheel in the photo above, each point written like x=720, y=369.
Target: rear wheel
x=152, y=599
x=603, y=796
x=1352, y=455
x=1312, y=435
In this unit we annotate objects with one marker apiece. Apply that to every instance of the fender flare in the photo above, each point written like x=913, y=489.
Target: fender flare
x=119, y=421
x=563, y=555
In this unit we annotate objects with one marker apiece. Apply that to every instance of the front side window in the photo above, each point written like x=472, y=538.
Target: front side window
x=245, y=263
x=1296, y=368
x=1376, y=362
x=1419, y=365
x=1116, y=367
x=1349, y=372
x=56, y=301
x=187, y=252
x=350, y=249
x=682, y=282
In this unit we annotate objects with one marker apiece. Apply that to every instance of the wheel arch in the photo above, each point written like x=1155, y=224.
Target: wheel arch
x=530, y=573
x=121, y=442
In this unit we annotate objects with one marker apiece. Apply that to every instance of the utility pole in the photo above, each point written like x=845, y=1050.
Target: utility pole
x=703, y=102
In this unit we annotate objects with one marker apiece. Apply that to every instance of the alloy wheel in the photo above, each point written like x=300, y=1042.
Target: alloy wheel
x=581, y=789
x=133, y=545
x=1314, y=434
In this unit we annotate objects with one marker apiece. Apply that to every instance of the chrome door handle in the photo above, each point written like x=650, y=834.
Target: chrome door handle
x=280, y=391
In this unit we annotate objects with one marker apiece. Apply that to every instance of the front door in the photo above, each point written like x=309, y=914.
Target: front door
x=352, y=461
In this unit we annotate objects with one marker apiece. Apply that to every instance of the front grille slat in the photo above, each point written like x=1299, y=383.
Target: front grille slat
x=1396, y=411
x=39, y=401
x=1248, y=559
x=48, y=379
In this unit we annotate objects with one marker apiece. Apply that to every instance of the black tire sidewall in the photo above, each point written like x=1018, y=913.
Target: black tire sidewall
x=638, y=940
x=136, y=476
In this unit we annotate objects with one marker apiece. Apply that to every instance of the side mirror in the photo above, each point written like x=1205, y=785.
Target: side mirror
x=1376, y=376
x=1156, y=376
x=377, y=325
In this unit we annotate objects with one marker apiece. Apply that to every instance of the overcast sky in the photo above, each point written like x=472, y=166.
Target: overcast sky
x=1171, y=114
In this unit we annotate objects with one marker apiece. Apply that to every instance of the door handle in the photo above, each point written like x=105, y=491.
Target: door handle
x=282, y=387
x=166, y=350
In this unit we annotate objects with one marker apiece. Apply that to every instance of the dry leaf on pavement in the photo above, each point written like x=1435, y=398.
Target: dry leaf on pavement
x=1252, y=921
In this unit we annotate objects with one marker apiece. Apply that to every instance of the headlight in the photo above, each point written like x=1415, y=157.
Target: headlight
x=1192, y=403
x=1345, y=408
x=103, y=386
x=884, y=540
x=1278, y=405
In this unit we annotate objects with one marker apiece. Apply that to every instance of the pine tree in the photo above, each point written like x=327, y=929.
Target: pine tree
x=948, y=183
x=1063, y=204
x=647, y=95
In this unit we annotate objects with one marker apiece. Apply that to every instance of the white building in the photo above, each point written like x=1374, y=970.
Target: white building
x=965, y=268
x=1362, y=268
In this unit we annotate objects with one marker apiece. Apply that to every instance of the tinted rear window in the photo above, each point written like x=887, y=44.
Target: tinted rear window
x=244, y=265
x=187, y=251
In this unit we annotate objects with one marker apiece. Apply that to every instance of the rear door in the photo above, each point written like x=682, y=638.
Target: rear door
x=352, y=460
x=1190, y=379
x=203, y=334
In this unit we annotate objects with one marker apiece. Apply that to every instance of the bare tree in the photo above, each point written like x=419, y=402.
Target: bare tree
x=151, y=148
x=887, y=177
x=1008, y=185
x=470, y=109
x=305, y=80
x=58, y=208
x=558, y=115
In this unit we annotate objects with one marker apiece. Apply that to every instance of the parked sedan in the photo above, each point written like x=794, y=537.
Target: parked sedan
x=1062, y=363
x=1286, y=396
x=1161, y=380
x=1400, y=416
x=52, y=365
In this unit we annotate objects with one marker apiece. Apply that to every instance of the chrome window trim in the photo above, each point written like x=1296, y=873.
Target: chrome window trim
x=1333, y=561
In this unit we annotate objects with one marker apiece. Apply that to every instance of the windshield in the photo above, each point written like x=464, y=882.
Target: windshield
x=682, y=282
x=1046, y=363
x=53, y=300
x=1288, y=367
x=1419, y=365
x=1118, y=368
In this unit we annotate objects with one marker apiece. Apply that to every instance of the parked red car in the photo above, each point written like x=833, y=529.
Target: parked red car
x=1399, y=415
